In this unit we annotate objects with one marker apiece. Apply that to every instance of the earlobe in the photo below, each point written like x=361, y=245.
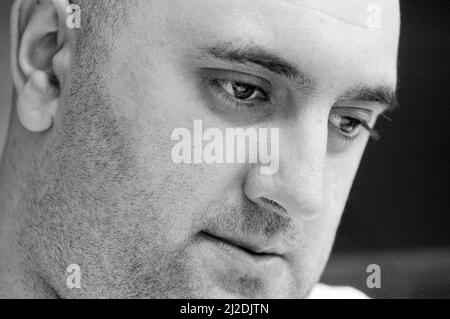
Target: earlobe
x=37, y=102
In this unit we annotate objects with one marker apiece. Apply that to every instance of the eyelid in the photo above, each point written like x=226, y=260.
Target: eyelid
x=257, y=104
x=265, y=96
x=364, y=115
x=375, y=108
x=359, y=113
x=224, y=104
x=236, y=76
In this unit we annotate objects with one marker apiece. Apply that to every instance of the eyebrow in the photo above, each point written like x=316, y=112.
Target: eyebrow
x=259, y=56
x=382, y=94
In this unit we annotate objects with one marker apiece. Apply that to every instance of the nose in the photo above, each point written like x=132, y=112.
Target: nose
x=296, y=188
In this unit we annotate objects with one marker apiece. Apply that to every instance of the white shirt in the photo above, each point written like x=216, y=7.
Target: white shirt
x=322, y=291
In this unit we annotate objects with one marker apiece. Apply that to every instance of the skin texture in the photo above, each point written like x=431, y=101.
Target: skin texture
x=99, y=188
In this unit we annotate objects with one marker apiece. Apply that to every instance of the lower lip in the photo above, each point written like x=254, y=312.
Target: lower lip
x=264, y=265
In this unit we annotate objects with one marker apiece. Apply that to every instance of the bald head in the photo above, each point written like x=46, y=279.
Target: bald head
x=92, y=169
x=363, y=13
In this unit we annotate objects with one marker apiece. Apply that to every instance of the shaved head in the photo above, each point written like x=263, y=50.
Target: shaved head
x=89, y=178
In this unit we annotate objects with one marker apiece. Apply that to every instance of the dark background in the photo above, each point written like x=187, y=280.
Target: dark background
x=398, y=213
x=401, y=198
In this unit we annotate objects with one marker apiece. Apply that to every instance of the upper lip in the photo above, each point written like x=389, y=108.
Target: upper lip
x=250, y=245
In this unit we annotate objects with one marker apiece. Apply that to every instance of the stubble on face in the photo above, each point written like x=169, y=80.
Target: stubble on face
x=97, y=196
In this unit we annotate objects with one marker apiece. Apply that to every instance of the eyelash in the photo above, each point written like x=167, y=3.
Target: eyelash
x=374, y=134
x=218, y=86
x=359, y=123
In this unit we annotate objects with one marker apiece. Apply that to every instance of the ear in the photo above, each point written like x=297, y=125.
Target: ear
x=41, y=49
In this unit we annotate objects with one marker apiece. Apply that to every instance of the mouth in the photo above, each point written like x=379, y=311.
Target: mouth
x=242, y=266
x=233, y=247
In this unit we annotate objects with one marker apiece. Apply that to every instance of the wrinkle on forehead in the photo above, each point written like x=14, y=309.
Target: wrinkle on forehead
x=353, y=12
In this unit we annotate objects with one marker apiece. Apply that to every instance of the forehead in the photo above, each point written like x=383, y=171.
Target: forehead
x=355, y=12
x=326, y=38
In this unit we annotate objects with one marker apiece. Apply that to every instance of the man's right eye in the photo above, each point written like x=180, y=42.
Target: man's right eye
x=235, y=90
x=243, y=91
x=240, y=93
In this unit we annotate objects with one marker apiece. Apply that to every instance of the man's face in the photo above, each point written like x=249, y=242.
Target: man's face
x=139, y=224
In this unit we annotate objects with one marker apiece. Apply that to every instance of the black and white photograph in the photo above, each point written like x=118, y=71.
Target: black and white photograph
x=224, y=154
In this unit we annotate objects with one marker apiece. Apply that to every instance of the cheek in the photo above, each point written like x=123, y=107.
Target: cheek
x=339, y=176
x=179, y=192
x=340, y=173
x=167, y=100
x=337, y=188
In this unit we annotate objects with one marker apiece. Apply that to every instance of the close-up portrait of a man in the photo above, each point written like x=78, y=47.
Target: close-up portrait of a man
x=187, y=149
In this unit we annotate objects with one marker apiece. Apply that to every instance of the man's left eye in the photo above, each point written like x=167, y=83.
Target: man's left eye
x=348, y=126
x=242, y=91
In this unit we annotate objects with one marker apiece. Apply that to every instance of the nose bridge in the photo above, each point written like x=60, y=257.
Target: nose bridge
x=296, y=189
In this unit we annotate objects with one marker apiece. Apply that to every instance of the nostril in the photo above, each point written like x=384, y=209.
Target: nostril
x=273, y=204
